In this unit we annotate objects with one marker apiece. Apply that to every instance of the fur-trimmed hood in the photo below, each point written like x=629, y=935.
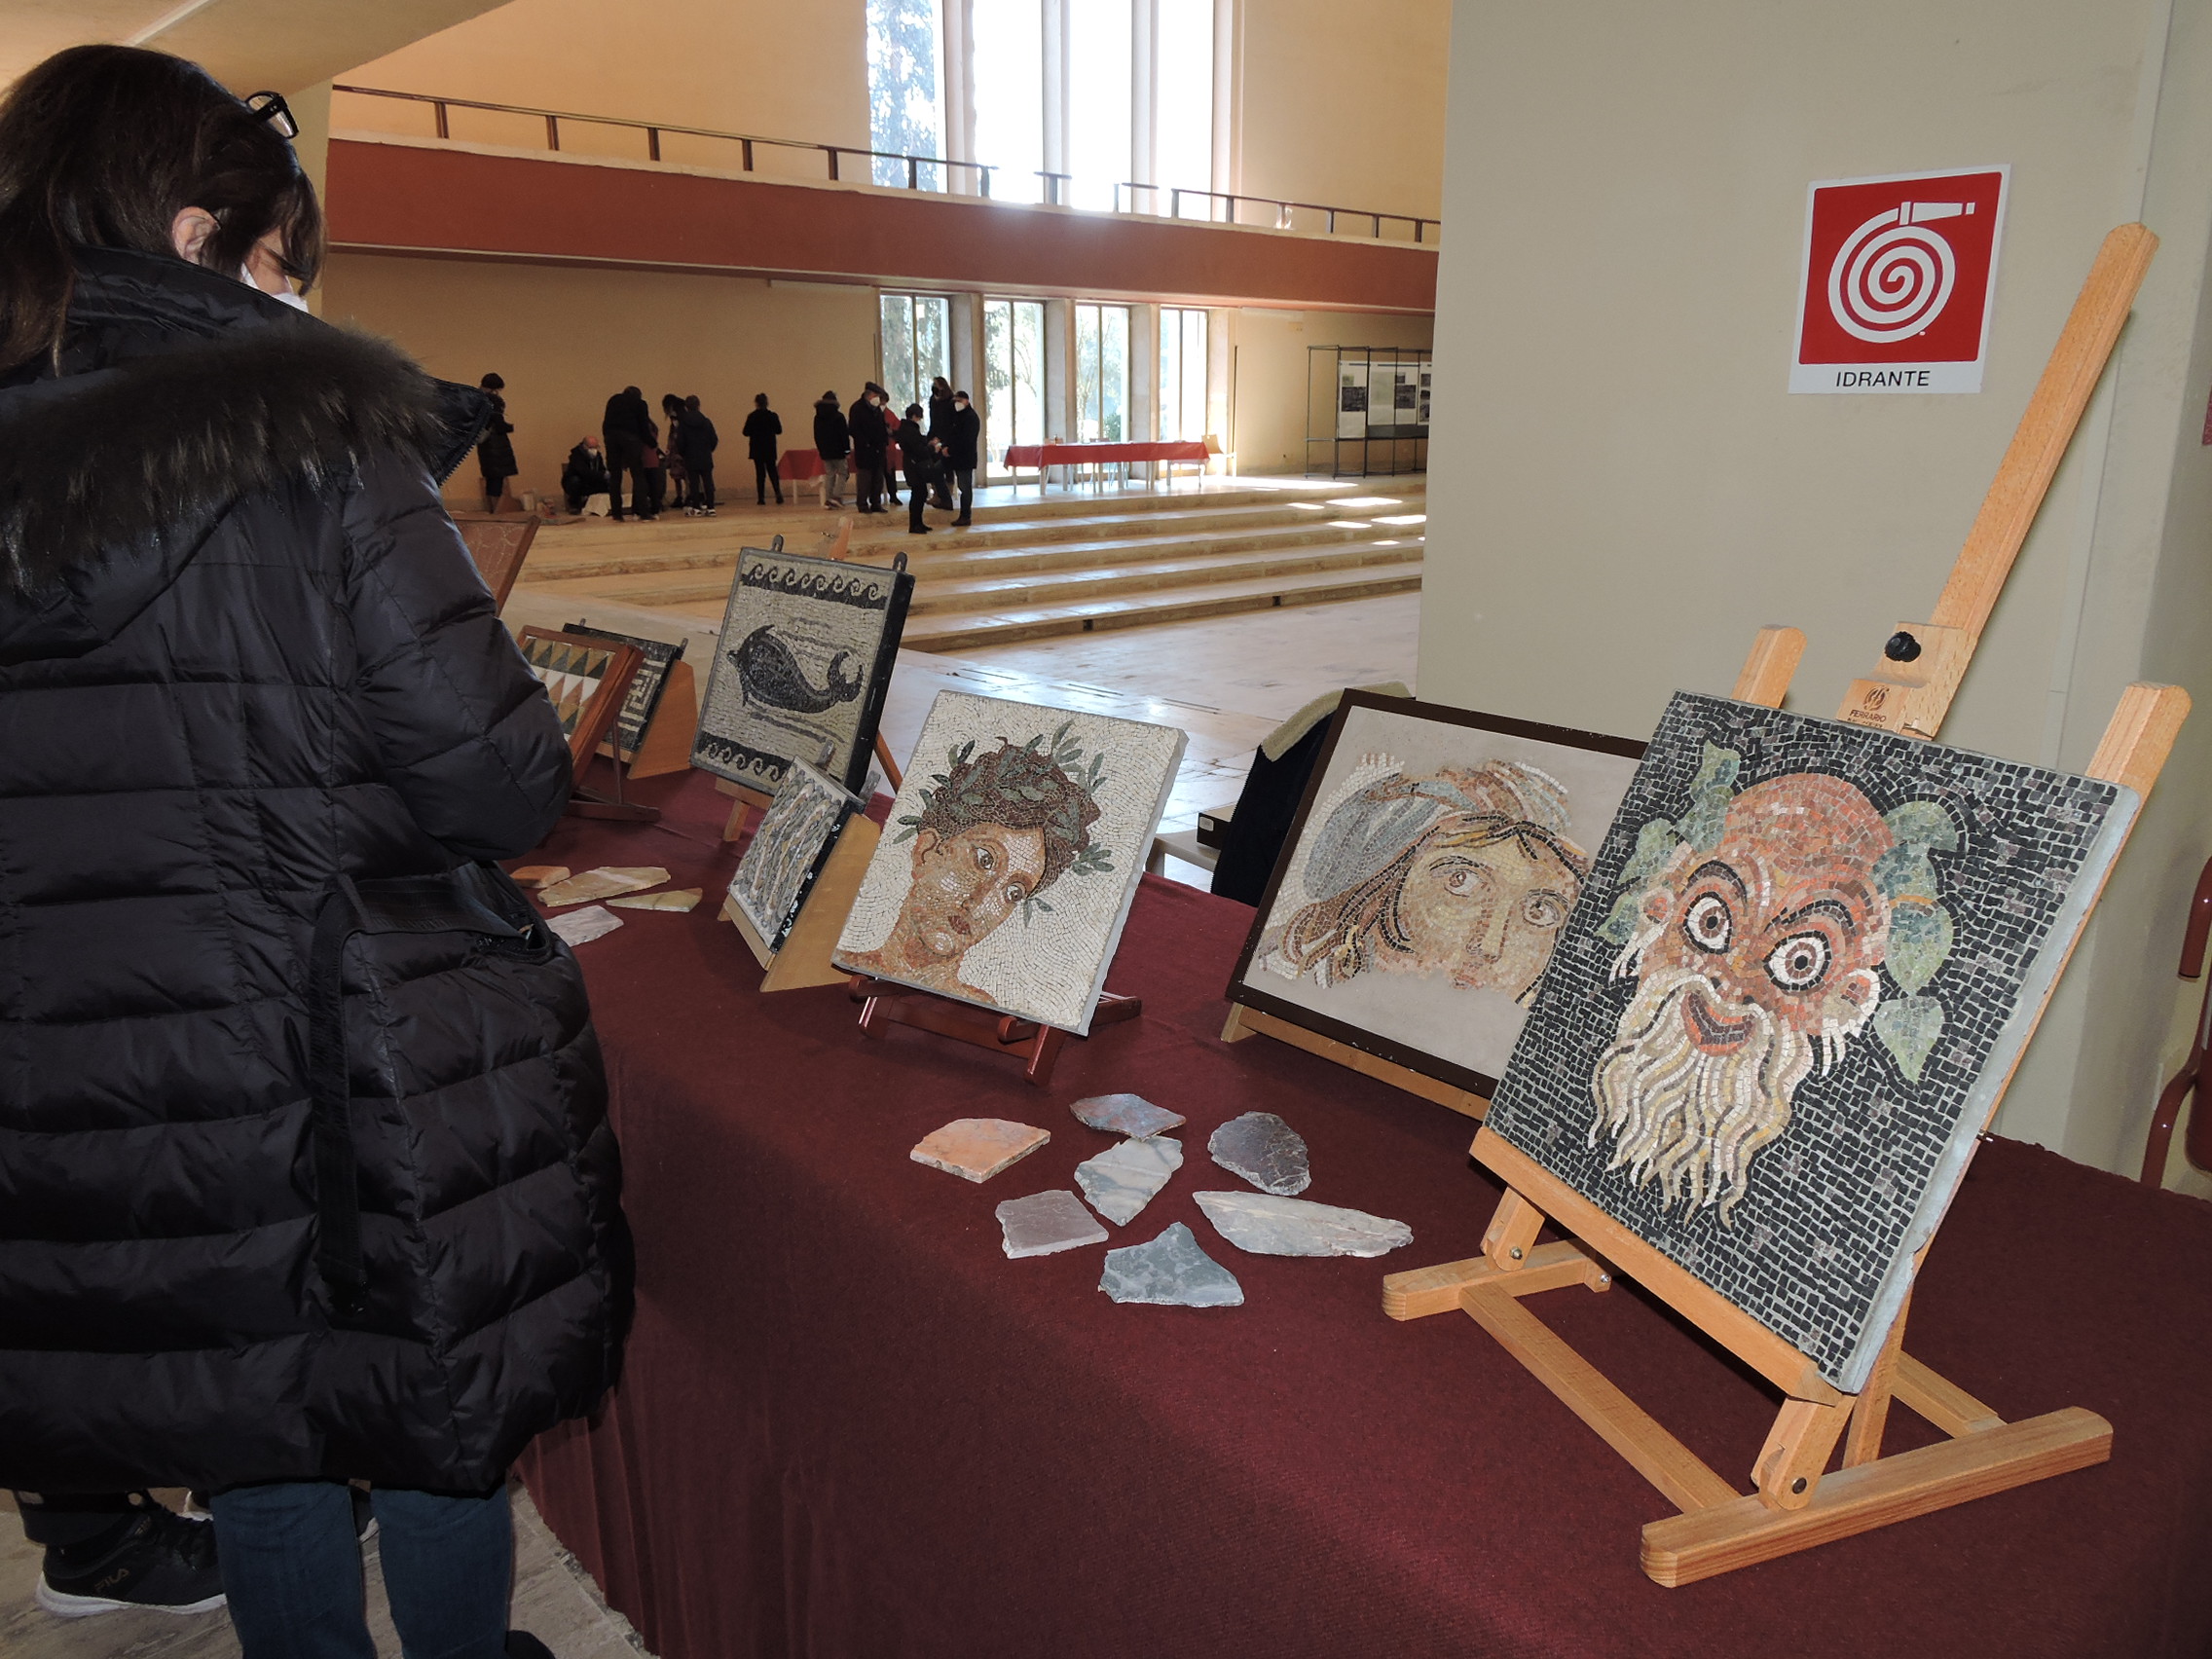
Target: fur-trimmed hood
x=181, y=391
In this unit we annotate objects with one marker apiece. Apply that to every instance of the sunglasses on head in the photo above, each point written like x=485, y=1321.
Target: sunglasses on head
x=272, y=108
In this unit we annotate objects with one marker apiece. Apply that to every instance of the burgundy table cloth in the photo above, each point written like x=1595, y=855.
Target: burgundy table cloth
x=850, y=1427
x=1079, y=455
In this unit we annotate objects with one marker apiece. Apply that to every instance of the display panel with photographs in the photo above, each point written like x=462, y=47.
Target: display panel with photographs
x=800, y=668
x=1012, y=852
x=1434, y=861
x=1806, y=959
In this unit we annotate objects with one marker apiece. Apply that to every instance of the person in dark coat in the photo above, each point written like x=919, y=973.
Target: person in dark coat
x=253, y=712
x=628, y=432
x=940, y=426
x=697, y=441
x=924, y=461
x=672, y=471
x=963, y=433
x=495, y=450
x=833, y=443
x=762, y=427
x=871, y=445
x=890, y=419
x=584, y=474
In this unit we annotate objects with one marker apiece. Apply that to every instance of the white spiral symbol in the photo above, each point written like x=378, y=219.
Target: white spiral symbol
x=1892, y=278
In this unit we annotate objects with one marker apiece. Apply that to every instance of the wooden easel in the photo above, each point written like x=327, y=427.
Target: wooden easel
x=1038, y=1047
x=1246, y=1022
x=803, y=959
x=1796, y=1503
x=666, y=743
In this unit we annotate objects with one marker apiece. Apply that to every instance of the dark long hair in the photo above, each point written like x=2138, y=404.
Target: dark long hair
x=102, y=146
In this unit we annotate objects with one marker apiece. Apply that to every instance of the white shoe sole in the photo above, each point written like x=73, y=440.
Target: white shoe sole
x=63, y=1607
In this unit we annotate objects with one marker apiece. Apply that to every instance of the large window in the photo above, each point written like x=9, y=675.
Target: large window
x=1182, y=103
x=905, y=91
x=1101, y=374
x=1059, y=84
x=918, y=346
x=1013, y=376
x=1008, y=47
x=1182, y=373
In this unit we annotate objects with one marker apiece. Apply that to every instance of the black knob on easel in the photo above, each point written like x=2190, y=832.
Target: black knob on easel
x=1901, y=647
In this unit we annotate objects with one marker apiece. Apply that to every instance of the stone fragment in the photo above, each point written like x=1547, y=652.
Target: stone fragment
x=1045, y=1222
x=602, y=883
x=678, y=899
x=1122, y=1179
x=581, y=926
x=1130, y=1114
x=1170, y=1272
x=538, y=875
x=976, y=1149
x=1264, y=1150
x=1268, y=1225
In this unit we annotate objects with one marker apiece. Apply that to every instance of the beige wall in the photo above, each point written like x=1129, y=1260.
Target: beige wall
x=774, y=71
x=1635, y=491
x=1269, y=368
x=567, y=339
x=1344, y=106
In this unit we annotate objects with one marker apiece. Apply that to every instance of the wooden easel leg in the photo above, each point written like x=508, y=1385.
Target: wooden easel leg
x=1871, y=1415
x=1512, y=1232
x=1797, y=1451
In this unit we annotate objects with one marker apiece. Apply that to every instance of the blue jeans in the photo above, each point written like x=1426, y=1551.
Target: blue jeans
x=292, y=1566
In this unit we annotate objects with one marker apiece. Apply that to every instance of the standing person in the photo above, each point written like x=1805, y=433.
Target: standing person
x=699, y=438
x=762, y=429
x=890, y=422
x=628, y=430
x=871, y=445
x=833, y=443
x=584, y=475
x=672, y=459
x=964, y=430
x=923, y=462
x=220, y=1271
x=941, y=427
x=496, y=453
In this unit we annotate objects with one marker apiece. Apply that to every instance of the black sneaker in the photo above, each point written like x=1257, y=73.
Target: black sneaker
x=161, y=1561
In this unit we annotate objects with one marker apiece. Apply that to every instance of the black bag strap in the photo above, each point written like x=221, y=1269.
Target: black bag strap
x=478, y=899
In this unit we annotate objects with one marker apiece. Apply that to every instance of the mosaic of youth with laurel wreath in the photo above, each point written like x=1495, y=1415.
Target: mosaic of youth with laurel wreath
x=800, y=668
x=1942, y=877
x=1012, y=855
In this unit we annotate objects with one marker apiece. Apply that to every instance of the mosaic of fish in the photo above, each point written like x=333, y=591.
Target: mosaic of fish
x=770, y=674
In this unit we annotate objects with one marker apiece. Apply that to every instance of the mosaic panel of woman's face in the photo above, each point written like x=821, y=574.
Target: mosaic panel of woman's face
x=1483, y=911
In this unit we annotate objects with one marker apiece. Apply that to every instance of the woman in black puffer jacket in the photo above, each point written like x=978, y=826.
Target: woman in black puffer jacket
x=256, y=708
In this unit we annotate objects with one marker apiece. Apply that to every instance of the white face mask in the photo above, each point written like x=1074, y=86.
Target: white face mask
x=288, y=298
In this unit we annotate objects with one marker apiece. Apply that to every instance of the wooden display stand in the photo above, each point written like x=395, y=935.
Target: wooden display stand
x=666, y=745
x=1037, y=1046
x=498, y=543
x=804, y=958
x=1796, y=1503
x=1246, y=1022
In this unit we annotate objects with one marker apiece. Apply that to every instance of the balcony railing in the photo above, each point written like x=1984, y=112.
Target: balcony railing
x=1221, y=207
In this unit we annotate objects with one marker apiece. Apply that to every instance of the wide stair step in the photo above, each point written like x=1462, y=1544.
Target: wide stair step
x=1028, y=570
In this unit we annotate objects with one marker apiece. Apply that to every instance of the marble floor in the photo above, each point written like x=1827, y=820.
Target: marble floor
x=555, y=1600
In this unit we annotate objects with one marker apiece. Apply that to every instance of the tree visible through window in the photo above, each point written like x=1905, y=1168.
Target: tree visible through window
x=904, y=90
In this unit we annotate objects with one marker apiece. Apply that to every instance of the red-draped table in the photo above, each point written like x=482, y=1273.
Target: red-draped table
x=1165, y=449
x=850, y=1427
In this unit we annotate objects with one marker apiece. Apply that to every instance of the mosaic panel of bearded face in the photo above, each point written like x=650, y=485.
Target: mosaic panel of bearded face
x=1753, y=959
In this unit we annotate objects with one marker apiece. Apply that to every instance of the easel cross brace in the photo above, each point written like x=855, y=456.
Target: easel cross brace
x=1796, y=1501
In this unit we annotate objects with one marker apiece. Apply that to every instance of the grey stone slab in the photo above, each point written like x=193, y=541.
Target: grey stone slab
x=1046, y=1222
x=1266, y=1151
x=1170, y=1272
x=1122, y=1179
x=1130, y=1114
x=1268, y=1225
